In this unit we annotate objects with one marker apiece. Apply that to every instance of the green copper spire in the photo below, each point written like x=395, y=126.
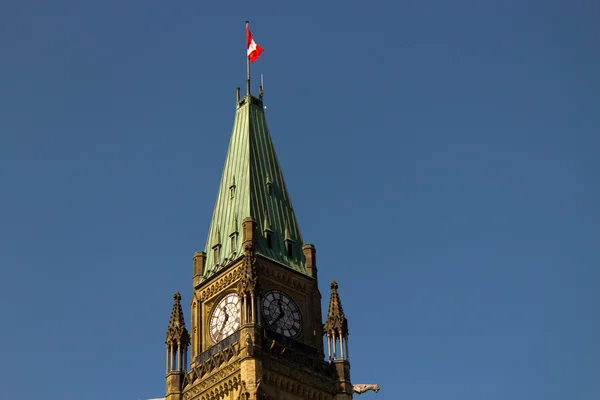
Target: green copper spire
x=252, y=185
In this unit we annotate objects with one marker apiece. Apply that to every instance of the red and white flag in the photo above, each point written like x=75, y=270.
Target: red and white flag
x=254, y=50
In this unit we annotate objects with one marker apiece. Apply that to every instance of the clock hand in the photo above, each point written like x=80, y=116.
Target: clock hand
x=273, y=320
x=281, y=313
x=225, y=320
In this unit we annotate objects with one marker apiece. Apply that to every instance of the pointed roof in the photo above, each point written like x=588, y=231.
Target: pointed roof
x=336, y=322
x=176, y=333
x=252, y=185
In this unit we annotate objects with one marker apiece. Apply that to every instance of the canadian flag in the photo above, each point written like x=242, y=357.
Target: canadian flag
x=254, y=50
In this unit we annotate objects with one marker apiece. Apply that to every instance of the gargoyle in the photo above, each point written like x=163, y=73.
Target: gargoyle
x=362, y=388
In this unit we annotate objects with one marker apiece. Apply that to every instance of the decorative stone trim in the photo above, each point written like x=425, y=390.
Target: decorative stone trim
x=216, y=386
x=298, y=366
x=288, y=279
x=220, y=284
x=297, y=383
x=202, y=371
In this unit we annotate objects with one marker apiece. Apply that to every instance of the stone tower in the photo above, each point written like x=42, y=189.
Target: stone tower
x=256, y=329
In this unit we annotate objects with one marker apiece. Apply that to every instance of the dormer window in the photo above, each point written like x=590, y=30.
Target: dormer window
x=269, y=237
x=268, y=232
x=217, y=247
x=217, y=254
x=234, y=242
x=232, y=189
x=234, y=234
x=289, y=242
x=269, y=185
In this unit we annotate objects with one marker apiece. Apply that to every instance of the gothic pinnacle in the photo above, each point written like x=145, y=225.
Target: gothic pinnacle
x=176, y=332
x=336, y=323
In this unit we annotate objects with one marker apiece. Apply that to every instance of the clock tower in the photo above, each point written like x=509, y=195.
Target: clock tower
x=256, y=329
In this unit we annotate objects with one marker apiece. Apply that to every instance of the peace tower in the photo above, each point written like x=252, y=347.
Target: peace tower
x=256, y=329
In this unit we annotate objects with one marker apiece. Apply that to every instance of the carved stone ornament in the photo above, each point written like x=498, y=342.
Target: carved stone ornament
x=362, y=388
x=248, y=274
x=220, y=284
x=249, y=344
x=244, y=394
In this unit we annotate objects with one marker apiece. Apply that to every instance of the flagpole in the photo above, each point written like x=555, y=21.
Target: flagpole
x=247, y=63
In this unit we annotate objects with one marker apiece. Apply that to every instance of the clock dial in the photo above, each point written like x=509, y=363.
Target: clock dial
x=281, y=313
x=225, y=318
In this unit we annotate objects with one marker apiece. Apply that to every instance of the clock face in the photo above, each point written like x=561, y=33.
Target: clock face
x=281, y=313
x=225, y=318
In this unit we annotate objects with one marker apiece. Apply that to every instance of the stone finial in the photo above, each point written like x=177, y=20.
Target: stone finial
x=336, y=323
x=176, y=332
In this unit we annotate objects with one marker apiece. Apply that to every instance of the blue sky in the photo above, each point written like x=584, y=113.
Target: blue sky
x=442, y=156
